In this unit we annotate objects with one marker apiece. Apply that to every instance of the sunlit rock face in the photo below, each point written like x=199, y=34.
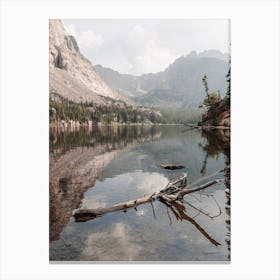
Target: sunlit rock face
x=72, y=76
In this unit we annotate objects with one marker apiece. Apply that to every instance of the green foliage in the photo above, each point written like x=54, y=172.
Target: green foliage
x=213, y=105
x=228, y=76
x=212, y=99
x=88, y=111
x=181, y=116
x=215, y=122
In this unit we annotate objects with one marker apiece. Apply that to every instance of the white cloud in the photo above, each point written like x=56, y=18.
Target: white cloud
x=152, y=182
x=145, y=52
x=115, y=245
x=90, y=39
x=153, y=59
x=86, y=39
x=143, y=46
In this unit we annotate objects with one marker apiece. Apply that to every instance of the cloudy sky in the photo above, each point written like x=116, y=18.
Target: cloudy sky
x=144, y=46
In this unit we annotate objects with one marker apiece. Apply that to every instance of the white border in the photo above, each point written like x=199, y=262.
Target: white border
x=255, y=138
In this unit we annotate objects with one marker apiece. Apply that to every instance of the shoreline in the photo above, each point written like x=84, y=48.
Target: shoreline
x=76, y=124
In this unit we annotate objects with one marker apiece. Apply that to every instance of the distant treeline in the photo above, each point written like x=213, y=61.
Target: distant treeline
x=110, y=113
x=181, y=116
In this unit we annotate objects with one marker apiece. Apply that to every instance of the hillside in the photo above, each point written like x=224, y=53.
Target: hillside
x=71, y=75
x=178, y=86
x=78, y=95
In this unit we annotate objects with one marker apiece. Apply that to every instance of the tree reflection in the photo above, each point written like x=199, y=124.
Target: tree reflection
x=218, y=142
x=180, y=212
x=63, y=140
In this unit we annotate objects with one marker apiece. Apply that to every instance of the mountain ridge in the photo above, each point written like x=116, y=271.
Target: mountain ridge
x=177, y=86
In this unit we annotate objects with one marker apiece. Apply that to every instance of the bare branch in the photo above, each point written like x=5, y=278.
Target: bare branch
x=82, y=215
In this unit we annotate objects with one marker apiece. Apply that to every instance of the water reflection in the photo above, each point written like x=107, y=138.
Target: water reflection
x=218, y=142
x=77, y=157
x=119, y=241
x=63, y=140
x=179, y=210
x=122, y=164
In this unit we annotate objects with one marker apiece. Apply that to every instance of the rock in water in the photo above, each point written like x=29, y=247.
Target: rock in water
x=171, y=166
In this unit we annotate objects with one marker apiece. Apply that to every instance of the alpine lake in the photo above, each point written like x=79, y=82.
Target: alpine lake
x=101, y=166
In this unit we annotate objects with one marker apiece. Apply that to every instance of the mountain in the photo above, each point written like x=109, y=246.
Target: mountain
x=78, y=95
x=126, y=84
x=71, y=75
x=178, y=86
x=214, y=54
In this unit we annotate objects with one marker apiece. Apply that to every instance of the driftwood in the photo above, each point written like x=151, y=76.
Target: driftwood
x=206, y=127
x=173, y=192
x=82, y=215
x=172, y=195
x=193, y=125
x=171, y=166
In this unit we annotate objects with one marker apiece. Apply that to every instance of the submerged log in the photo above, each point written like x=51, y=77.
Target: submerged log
x=174, y=191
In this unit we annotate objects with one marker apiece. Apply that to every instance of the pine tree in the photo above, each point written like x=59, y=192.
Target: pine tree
x=228, y=76
x=205, y=83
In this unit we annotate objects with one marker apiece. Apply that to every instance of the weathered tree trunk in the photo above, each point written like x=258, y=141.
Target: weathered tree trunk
x=174, y=191
x=82, y=215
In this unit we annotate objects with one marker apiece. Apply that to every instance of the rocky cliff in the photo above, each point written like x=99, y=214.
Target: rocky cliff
x=71, y=75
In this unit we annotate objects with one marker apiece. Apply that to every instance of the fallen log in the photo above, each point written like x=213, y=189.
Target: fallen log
x=206, y=126
x=174, y=191
x=83, y=215
x=193, y=125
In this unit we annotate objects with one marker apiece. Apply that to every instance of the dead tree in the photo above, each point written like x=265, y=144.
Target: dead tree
x=172, y=195
x=173, y=192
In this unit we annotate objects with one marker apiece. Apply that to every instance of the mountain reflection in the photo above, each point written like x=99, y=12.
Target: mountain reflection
x=77, y=157
x=122, y=163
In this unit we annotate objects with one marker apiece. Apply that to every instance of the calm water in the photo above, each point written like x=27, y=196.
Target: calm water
x=103, y=166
